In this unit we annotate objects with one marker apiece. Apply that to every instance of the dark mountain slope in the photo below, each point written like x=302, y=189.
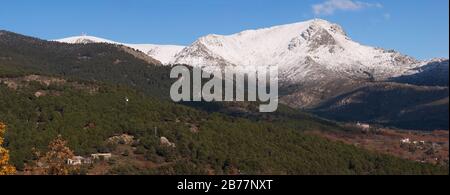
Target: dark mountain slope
x=433, y=74
x=96, y=62
x=391, y=104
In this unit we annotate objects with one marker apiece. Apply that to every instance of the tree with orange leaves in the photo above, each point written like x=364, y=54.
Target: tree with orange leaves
x=5, y=167
x=54, y=162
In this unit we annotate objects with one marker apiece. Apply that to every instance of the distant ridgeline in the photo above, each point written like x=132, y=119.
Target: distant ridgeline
x=50, y=88
x=94, y=62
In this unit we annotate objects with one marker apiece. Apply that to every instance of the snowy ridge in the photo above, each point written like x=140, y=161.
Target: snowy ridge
x=305, y=51
x=85, y=39
x=163, y=53
x=302, y=51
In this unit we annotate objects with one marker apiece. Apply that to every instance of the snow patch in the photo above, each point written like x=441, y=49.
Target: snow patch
x=164, y=53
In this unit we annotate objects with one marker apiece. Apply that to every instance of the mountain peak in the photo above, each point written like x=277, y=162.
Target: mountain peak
x=84, y=39
x=321, y=24
x=298, y=49
x=293, y=47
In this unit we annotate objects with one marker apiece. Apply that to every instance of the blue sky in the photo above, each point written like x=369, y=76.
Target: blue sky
x=419, y=28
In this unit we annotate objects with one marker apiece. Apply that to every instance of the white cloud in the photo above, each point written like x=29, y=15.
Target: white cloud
x=330, y=6
x=387, y=16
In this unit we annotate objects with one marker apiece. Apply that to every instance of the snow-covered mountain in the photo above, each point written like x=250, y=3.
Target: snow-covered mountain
x=164, y=53
x=303, y=51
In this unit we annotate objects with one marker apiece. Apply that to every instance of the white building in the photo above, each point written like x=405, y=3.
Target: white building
x=406, y=141
x=102, y=156
x=78, y=160
x=363, y=126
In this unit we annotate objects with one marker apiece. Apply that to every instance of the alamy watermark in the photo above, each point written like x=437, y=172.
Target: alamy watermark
x=249, y=83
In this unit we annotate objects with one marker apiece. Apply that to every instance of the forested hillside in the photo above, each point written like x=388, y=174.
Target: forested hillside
x=89, y=93
x=96, y=62
x=86, y=114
